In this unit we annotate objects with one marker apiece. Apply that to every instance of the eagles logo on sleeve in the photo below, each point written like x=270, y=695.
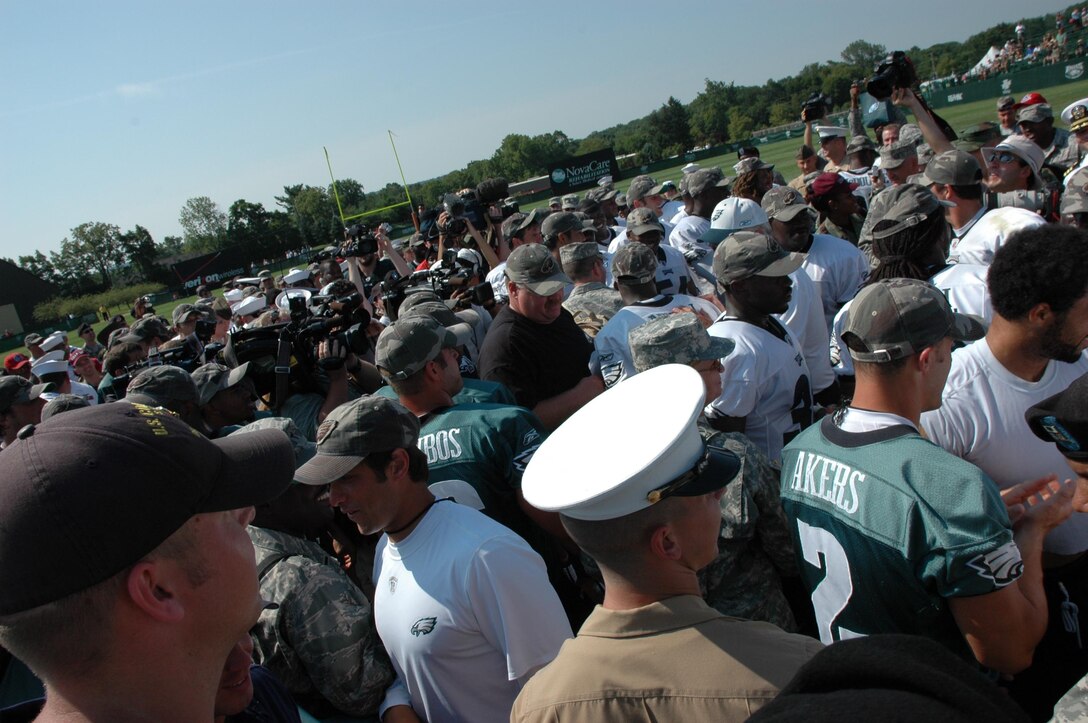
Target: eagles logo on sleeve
x=1002, y=565
x=423, y=626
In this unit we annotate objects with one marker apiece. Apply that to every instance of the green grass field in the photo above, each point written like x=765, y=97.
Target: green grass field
x=781, y=153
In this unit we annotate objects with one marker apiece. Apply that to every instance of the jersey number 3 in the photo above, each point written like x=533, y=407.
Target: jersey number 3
x=831, y=596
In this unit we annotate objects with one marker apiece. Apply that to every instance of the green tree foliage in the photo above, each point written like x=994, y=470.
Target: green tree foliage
x=520, y=156
x=669, y=128
x=203, y=223
x=863, y=56
x=140, y=253
x=709, y=112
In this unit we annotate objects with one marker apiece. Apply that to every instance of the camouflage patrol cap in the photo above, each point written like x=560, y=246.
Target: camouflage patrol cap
x=784, y=204
x=408, y=345
x=925, y=154
x=420, y=296
x=643, y=220
x=858, y=144
x=1006, y=102
x=751, y=164
x=185, y=312
x=974, y=137
x=572, y=253
x=634, y=263
x=355, y=430
x=911, y=133
x=1035, y=113
x=159, y=385
x=677, y=338
x=702, y=180
x=953, y=168
x=570, y=202
x=555, y=201
x=518, y=222
x=748, y=253
x=895, y=318
x=1075, y=195
x=907, y=205
x=213, y=378
x=304, y=448
x=895, y=154
x=563, y=222
x=533, y=267
x=639, y=188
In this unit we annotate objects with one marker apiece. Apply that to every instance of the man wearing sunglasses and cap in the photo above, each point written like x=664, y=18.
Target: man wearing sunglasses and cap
x=644, y=502
x=895, y=535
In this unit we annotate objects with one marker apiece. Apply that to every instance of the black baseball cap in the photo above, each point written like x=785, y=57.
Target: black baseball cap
x=1063, y=420
x=90, y=492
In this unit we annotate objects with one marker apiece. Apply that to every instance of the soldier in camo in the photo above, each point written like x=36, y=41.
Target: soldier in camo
x=754, y=547
x=591, y=303
x=320, y=640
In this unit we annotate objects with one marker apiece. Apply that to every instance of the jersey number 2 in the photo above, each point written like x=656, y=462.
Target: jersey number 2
x=832, y=595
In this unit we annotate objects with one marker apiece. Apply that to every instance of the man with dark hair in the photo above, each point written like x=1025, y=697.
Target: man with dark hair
x=90, y=344
x=20, y=404
x=1033, y=350
x=1014, y=164
x=462, y=604
x=134, y=620
x=517, y=230
x=892, y=534
x=1059, y=146
x=654, y=650
x=703, y=190
x=955, y=177
x=565, y=227
x=807, y=160
x=533, y=346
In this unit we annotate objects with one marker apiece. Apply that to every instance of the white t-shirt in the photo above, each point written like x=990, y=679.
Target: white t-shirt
x=466, y=613
x=79, y=389
x=981, y=419
x=673, y=211
x=978, y=243
x=497, y=278
x=613, y=352
x=804, y=318
x=838, y=268
x=685, y=236
x=766, y=381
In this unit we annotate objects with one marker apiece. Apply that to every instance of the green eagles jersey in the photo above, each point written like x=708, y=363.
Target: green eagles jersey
x=474, y=391
x=887, y=526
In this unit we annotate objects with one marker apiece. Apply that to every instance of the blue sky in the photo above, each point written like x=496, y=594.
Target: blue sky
x=120, y=111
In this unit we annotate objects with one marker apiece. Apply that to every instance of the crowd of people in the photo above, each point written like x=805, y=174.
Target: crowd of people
x=713, y=449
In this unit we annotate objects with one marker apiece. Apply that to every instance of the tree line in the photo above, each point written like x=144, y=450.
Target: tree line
x=98, y=255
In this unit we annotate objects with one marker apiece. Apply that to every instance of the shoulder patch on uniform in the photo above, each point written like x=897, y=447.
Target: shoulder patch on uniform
x=1002, y=565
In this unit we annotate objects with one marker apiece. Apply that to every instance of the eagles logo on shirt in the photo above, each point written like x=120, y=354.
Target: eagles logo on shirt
x=1002, y=565
x=423, y=626
x=392, y=584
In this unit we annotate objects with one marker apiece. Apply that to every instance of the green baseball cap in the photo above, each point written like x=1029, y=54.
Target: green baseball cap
x=161, y=384
x=677, y=338
x=534, y=267
x=408, y=345
x=895, y=318
x=750, y=253
x=354, y=430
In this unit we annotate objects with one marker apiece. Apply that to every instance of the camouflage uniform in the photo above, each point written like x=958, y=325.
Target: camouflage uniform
x=321, y=641
x=592, y=304
x=852, y=234
x=754, y=546
x=1063, y=152
x=1073, y=706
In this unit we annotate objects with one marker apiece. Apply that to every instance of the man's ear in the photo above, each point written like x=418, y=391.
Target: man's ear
x=663, y=543
x=152, y=586
x=398, y=465
x=1040, y=314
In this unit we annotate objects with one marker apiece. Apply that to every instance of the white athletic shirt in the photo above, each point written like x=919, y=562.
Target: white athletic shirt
x=804, y=318
x=621, y=238
x=611, y=345
x=838, y=268
x=464, y=609
x=977, y=242
x=685, y=235
x=766, y=381
x=497, y=278
x=862, y=180
x=981, y=419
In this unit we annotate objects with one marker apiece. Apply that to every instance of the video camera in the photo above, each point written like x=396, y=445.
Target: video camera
x=816, y=106
x=448, y=277
x=896, y=71
x=360, y=242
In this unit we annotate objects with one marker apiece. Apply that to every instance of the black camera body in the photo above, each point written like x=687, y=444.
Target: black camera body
x=896, y=71
x=816, y=106
x=360, y=242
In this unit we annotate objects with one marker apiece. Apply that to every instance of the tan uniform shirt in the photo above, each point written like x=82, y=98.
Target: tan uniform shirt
x=673, y=660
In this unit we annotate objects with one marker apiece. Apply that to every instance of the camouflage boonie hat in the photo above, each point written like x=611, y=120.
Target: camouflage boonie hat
x=642, y=220
x=677, y=338
x=893, y=156
x=702, y=180
x=639, y=188
x=634, y=263
x=895, y=318
x=533, y=267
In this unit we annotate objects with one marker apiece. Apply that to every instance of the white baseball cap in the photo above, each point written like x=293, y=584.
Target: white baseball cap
x=731, y=215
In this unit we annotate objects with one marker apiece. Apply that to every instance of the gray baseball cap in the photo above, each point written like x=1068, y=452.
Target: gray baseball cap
x=408, y=345
x=213, y=378
x=642, y=220
x=895, y=318
x=894, y=155
x=908, y=205
x=700, y=181
x=634, y=263
x=354, y=430
x=16, y=390
x=783, y=203
x=158, y=385
x=640, y=186
x=533, y=267
x=953, y=168
x=749, y=253
x=677, y=338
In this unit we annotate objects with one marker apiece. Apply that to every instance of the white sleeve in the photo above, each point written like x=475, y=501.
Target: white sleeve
x=805, y=320
x=952, y=427
x=516, y=607
x=613, y=352
x=740, y=379
x=395, y=694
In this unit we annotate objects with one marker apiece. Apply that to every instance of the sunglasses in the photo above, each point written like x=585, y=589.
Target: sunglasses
x=1005, y=157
